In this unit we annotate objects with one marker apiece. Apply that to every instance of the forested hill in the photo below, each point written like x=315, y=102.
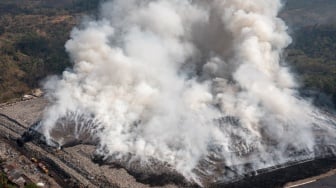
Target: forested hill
x=32, y=38
x=313, y=57
x=300, y=13
x=33, y=34
x=313, y=52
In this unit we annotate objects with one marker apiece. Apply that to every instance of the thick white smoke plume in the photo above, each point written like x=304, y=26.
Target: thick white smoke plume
x=186, y=83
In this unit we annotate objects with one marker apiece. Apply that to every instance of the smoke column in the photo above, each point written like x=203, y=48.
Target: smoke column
x=185, y=82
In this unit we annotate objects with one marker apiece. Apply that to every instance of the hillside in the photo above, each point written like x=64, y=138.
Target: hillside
x=32, y=37
x=298, y=13
x=312, y=57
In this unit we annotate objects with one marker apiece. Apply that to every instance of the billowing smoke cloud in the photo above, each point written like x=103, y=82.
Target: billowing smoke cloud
x=190, y=83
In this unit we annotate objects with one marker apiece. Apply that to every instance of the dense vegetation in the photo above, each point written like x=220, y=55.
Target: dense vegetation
x=33, y=34
x=32, y=38
x=313, y=57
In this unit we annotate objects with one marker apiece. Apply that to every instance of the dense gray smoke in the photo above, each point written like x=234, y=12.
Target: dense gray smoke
x=186, y=83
